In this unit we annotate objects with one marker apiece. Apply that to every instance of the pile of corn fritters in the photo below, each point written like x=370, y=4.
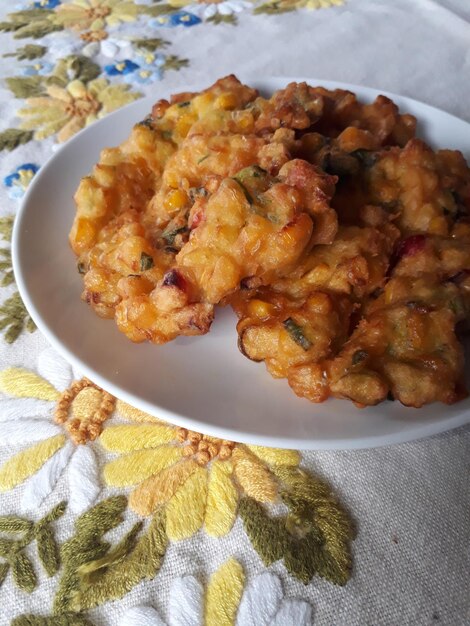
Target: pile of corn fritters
x=341, y=241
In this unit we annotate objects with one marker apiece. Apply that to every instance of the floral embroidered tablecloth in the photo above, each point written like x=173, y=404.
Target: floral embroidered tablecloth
x=110, y=516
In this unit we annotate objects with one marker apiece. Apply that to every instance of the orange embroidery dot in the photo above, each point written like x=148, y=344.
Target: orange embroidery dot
x=94, y=35
x=204, y=448
x=86, y=429
x=96, y=13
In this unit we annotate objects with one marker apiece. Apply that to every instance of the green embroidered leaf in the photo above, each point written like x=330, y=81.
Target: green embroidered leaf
x=22, y=19
x=156, y=10
x=83, y=68
x=67, y=619
x=13, y=550
x=7, y=547
x=25, y=86
x=86, y=545
x=13, y=524
x=6, y=268
x=14, y=137
x=14, y=318
x=268, y=534
x=6, y=228
x=150, y=44
x=173, y=62
x=29, y=51
x=102, y=517
x=71, y=68
x=37, y=30
x=91, y=571
x=23, y=572
x=48, y=550
x=272, y=8
x=8, y=27
x=218, y=18
x=313, y=538
x=54, y=514
x=312, y=503
x=141, y=563
x=29, y=15
x=4, y=567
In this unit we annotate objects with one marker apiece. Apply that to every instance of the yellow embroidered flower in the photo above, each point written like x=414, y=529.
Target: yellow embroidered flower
x=54, y=413
x=95, y=14
x=198, y=478
x=68, y=110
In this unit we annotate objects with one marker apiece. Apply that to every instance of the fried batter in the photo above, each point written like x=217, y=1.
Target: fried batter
x=123, y=242
x=341, y=241
x=254, y=226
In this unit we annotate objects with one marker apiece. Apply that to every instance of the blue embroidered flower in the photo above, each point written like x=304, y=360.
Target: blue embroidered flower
x=144, y=76
x=179, y=18
x=47, y=4
x=18, y=181
x=150, y=68
x=150, y=60
x=40, y=68
x=121, y=68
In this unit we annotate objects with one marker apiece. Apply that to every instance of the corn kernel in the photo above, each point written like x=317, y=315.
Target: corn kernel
x=225, y=101
x=260, y=309
x=172, y=179
x=175, y=199
x=438, y=226
x=83, y=234
x=244, y=120
x=202, y=103
x=319, y=303
x=184, y=124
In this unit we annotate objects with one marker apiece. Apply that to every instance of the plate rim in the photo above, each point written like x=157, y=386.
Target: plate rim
x=364, y=442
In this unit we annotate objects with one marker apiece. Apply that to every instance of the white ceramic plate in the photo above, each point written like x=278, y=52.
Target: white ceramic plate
x=201, y=383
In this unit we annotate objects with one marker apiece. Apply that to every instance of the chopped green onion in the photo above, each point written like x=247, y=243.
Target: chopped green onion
x=296, y=333
x=146, y=262
x=359, y=356
x=203, y=158
x=245, y=191
x=169, y=236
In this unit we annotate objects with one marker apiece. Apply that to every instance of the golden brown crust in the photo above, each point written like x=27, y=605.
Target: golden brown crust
x=341, y=241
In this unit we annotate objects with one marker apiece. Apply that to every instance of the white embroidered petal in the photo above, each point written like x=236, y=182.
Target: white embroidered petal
x=235, y=7
x=141, y=616
x=210, y=10
x=91, y=49
x=83, y=476
x=293, y=613
x=19, y=408
x=260, y=601
x=185, y=605
x=55, y=369
x=40, y=485
x=26, y=431
x=109, y=49
x=225, y=9
x=197, y=9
